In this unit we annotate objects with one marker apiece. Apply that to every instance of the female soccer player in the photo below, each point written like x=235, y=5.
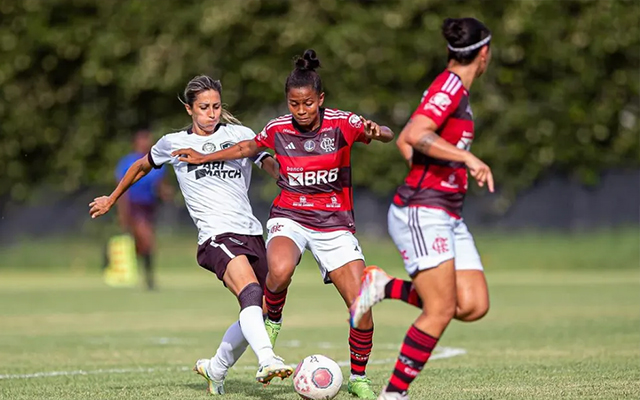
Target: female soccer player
x=425, y=218
x=314, y=209
x=229, y=236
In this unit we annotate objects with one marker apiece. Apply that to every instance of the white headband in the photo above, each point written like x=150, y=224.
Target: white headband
x=469, y=48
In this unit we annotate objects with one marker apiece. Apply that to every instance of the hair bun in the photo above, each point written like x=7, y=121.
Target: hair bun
x=453, y=31
x=308, y=62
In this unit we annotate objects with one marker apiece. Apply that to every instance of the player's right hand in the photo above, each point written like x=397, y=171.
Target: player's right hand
x=100, y=206
x=480, y=171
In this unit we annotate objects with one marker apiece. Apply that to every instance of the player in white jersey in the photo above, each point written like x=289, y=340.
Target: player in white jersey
x=230, y=242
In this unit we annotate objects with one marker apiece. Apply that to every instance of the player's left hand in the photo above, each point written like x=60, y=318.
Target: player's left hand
x=189, y=155
x=371, y=129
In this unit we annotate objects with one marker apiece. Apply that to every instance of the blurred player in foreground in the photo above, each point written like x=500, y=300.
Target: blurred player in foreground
x=425, y=219
x=137, y=209
x=314, y=209
x=229, y=236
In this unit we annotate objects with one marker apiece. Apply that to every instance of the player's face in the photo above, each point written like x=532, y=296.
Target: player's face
x=206, y=111
x=304, y=104
x=143, y=143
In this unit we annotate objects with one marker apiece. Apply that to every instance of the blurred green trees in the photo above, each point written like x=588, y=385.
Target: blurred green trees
x=77, y=77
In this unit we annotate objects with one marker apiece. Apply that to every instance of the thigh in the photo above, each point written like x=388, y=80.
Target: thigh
x=423, y=236
x=238, y=274
x=472, y=295
x=333, y=250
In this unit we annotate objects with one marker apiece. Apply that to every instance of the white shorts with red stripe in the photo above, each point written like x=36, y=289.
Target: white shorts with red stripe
x=427, y=237
x=331, y=250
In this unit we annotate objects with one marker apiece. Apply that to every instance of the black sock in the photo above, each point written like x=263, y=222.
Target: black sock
x=148, y=271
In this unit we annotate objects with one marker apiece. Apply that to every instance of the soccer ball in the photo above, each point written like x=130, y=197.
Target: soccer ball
x=317, y=378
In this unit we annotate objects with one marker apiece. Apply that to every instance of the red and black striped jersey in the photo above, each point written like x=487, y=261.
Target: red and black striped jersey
x=438, y=183
x=315, y=169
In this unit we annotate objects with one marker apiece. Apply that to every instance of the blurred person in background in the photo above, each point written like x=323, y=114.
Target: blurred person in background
x=425, y=219
x=137, y=209
x=230, y=242
x=314, y=209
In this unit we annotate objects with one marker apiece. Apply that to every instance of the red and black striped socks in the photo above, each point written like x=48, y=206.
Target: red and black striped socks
x=275, y=304
x=360, y=344
x=402, y=290
x=414, y=353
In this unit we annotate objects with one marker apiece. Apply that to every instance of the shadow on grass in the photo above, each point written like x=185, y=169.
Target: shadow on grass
x=250, y=389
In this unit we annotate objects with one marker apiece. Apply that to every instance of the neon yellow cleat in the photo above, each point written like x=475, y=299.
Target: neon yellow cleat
x=361, y=388
x=273, y=329
x=215, y=387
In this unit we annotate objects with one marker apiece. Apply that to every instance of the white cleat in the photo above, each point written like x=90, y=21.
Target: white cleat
x=371, y=293
x=276, y=368
x=215, y=386
x=384, y=395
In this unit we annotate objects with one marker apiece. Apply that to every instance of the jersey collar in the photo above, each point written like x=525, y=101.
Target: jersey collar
x=220, y=125
x=305, y=132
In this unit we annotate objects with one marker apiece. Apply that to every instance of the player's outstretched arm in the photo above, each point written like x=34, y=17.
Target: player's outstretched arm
x=421, y=135
x=374, y=131
x=102, y=205
x=244, y=149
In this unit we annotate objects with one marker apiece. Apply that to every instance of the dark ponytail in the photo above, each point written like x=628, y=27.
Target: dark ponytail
x=465, y=38
x=304, y=74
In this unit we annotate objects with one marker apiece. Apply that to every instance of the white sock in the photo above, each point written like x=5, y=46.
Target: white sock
x=231, y=348
x=252, y=326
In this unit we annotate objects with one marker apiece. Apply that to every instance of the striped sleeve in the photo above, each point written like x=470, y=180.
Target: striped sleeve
x=266, y=137
x=441, y=100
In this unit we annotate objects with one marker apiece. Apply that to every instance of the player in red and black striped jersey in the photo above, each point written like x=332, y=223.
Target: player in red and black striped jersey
x=314, y=209
x=425, y=218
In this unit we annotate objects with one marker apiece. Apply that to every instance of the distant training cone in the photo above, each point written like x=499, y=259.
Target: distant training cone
x=122, y=270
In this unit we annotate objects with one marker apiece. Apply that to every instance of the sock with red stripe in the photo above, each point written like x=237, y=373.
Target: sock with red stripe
x=414, y=353
x=275, y=304
x=402, y=290
x=360, y=344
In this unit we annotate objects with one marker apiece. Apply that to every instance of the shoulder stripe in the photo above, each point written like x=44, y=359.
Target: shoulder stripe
x=448, y=82
x=334, y=117
x=452, y=85
x=277, y=123
x=335, y=112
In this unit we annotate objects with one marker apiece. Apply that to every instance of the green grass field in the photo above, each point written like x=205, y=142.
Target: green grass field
x=564, y=324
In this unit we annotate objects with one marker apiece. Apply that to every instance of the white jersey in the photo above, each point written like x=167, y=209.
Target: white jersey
x=215, y=193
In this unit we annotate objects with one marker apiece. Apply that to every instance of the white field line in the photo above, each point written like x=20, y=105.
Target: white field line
x=439, y=353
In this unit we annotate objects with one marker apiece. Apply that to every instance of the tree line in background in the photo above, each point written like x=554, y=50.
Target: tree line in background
x=78, y=77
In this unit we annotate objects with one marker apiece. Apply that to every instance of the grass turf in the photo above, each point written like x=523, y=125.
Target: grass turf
x=564, y=324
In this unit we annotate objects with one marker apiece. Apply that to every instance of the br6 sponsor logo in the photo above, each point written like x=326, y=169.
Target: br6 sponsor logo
x=309, y=178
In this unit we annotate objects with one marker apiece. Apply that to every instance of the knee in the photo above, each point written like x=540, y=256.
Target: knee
x=279, y=276
x=441, y=314
x=473, y=312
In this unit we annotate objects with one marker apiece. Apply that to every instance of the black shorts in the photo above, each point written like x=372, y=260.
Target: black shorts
x=215, y=254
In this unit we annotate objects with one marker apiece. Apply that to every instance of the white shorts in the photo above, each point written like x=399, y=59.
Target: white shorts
x=427, y=237
x=331, y=250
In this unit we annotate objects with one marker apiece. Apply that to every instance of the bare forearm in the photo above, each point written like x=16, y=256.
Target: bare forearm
x=431, y=144
x=386, y=134
x=133, y=175
x=244, y=149
x=271, y=166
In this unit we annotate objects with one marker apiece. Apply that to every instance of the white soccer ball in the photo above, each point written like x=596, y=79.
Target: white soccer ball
x=317, y=378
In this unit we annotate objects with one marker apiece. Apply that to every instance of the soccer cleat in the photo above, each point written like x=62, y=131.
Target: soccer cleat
x=215, y=387
x=361, y=388
x=384, y=395
x=374, y=280
x=275, y=369
x=273, y=329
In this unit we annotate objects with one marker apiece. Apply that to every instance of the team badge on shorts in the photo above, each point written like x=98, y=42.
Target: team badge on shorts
x=309, y=145
x=209, y=147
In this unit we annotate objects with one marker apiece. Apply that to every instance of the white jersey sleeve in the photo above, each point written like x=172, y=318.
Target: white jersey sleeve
x=160, y=153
